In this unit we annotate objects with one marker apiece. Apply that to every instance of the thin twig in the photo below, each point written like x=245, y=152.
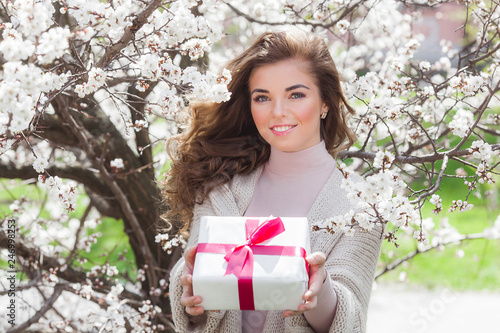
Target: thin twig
x=46, y=307
x=416, y=252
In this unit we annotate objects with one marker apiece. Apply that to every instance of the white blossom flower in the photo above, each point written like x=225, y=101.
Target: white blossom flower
x=349, y=232
x=462, y=206
x=97, y=78
x=365, y=86
x=86, y=291
x=382, y=106
x=53, y=44
x=461, y=123
x=195, y=48
x=40, y=164
x=112, y=271
x=342, y=26
x=383, y=159
x=80, y=90
x=117, y=163
x=424, y=65
x=145, y=308
x=168, y=244
x=140, y=124
x=141, y=275
x=226, y=77
x=468, y=85
x=413, y=135
x=86, y=33
x=484, y=175
x=481, y=150
x=364, y=221
x=471, y=84
x=220, y=93
x=115, y=291
x=149, y=65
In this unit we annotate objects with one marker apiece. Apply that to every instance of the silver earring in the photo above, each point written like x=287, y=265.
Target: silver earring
x=323, y=115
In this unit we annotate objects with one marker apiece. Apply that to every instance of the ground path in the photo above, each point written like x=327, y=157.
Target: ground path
x=398, y=308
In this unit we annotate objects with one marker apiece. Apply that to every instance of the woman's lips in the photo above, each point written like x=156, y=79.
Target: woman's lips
x=282, y=129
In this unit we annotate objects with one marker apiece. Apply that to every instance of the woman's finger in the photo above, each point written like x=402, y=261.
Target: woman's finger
x=288, y=313
x=315, y=283
x=190, y=300
x=191, y=305
x=310, y=304
x=187, y=277
x=187, y=284
x=187, y=299
x=317, y=274
x=189, y=257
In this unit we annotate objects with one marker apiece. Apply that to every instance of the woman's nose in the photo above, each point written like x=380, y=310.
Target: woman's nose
x=279, y=108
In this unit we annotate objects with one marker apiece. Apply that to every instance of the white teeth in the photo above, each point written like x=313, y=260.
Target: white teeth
x=282, y=128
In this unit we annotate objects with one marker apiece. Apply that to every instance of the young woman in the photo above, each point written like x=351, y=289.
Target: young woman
x=270, y=150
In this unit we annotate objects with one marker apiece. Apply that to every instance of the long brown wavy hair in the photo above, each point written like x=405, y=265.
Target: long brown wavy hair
x=222, y=139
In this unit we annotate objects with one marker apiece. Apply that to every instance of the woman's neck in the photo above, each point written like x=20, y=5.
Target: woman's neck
x=308, y=161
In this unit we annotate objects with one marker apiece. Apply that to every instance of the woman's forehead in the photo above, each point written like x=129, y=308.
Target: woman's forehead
x=283, y=73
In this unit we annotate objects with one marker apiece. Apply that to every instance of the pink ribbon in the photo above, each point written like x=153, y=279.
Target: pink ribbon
x=240, y=257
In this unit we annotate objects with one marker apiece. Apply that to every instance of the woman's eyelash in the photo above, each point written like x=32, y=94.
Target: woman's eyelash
x=298, y=95
x=294, y=95
x=260, y=98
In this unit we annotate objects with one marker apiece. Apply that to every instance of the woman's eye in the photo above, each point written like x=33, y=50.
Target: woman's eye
x=296, y=95
x=260, y=99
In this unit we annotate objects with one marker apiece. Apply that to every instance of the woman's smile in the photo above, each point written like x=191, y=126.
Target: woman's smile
x=282, y=129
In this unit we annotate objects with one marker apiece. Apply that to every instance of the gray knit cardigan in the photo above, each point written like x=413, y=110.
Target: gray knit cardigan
x=351, y=262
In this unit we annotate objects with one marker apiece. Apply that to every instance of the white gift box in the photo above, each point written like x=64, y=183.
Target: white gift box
x=279, y=277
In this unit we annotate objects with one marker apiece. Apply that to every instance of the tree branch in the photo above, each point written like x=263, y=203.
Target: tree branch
x=348, y=10
x=435, y=187
x=46, y=307
x=114, y=50
x=411, y=159
x=480, y=110
x=142, y=137
x=75, y=172
x=78, y=131
x=416, y=252
x=70, y=274
x=48, y=262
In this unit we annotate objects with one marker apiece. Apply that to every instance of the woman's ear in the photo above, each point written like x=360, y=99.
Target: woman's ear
x=324, y=111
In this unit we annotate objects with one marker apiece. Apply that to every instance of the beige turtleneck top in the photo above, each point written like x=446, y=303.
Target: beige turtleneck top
x=288, y=187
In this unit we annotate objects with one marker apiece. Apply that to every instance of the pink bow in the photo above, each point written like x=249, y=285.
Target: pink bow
x=240, y=258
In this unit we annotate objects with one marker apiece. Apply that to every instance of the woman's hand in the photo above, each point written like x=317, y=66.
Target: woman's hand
x=188, y=300
x=317, y=275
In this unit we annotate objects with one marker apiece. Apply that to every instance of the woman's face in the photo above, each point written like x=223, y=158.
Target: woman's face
x=286, y=105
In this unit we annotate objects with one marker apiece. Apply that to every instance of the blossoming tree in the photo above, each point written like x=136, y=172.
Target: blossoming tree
x=90, y=91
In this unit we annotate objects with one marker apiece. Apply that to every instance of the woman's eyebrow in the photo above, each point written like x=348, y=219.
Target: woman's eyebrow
x=296, y=86
x=259, y=90
x=286, y=89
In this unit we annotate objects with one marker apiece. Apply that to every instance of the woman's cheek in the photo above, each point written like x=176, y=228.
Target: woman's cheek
x=259, y=118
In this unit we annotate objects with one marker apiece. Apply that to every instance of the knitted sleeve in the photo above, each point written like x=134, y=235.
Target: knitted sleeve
x=210, y=320
x=351, y=266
